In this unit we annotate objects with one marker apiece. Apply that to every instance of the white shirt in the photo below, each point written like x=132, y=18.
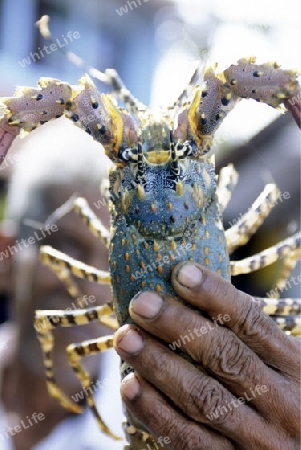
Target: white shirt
x=80, y=432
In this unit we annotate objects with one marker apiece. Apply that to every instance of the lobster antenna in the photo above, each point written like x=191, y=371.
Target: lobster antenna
x=184, y=98
x=109, y=76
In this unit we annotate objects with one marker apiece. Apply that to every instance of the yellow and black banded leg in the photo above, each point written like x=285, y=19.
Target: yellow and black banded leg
x=75, y=353
x=57, y=259
x=282, y=250
x=46, y=321
x=227, y=180
x=279, y=306
x=284, y=311
x=82, y=208
x=65, y=276
x=288, y=266
x=246, y=226
x=290, y=324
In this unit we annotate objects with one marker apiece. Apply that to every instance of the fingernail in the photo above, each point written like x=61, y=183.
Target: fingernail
x=189, y=275
x=146, y=305
x=130, y=342
x=130, y=387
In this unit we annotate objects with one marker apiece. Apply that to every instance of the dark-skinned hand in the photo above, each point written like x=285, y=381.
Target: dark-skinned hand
x=248, y=395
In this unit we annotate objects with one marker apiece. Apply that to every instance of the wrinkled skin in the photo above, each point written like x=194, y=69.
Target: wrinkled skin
x=172, y=398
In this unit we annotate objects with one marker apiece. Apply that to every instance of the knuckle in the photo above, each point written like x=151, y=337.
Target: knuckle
x=217, y=286
x=250, y=320
x=229, y=356
x=203, y=397
x=157, y=360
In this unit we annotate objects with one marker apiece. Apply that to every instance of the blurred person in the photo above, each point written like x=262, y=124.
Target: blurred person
x=49, y=169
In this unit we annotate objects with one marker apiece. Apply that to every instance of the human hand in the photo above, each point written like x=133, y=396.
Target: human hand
x=248, y=396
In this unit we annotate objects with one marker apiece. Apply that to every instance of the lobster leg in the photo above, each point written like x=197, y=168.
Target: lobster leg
x=227, y=180
x=242, y=230
x=288, y=266
x=75, y=353
x=65, y=277
x=46, y=321
x=52, y=257
x=287, y=249
x=281, y=307
x=82, y=208
x=285, y=312
x=290, y=324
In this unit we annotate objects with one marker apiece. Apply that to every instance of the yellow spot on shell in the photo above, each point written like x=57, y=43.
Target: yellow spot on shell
x=123, y=242
x=206, y=262
x=143, y=284
x=207, y=234
x=132, y=278
x=160, y=269
x=220, y=257
x=173, y=245
x=219, y=271
x=172, y=257
x=159, y=257
x=206, y=250
x=125, y=201
x=179, y=188
x=156, y=246
x=127, y=268
x=141, y=192
x=169, y=205
x=145, y=245
x=127, y=256
x=158, y=288
x=142, y=264
x=152, y=207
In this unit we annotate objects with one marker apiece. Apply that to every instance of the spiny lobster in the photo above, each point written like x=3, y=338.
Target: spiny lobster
x=165, y=205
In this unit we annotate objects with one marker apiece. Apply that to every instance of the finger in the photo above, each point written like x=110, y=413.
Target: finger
x=164, y=422
x=199, y=396
x=210, y=292
x=216, y=348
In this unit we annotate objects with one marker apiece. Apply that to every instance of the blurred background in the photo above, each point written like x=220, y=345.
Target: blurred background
x=153, y=45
